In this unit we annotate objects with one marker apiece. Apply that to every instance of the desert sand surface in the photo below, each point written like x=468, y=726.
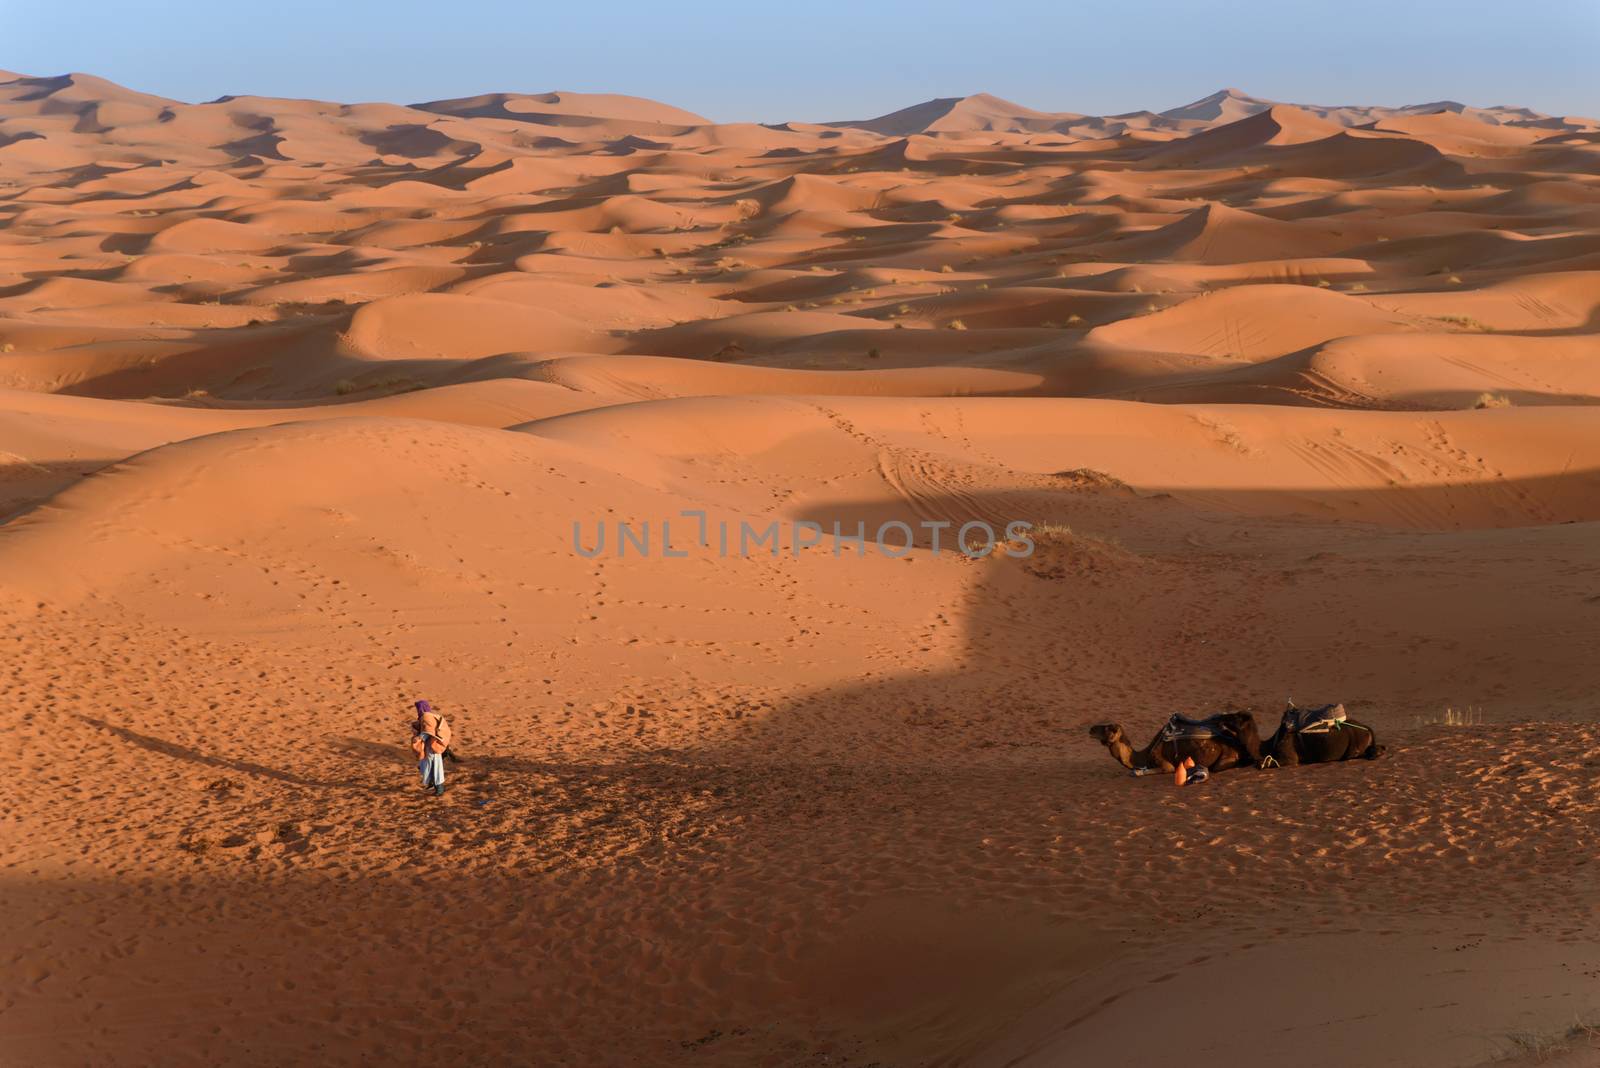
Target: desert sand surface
x=301, y=403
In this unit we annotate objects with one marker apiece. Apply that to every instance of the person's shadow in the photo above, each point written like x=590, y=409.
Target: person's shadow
x=194, y=756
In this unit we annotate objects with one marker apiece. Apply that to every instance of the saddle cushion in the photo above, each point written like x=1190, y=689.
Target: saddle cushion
x=1313, y=720
x=1182, y=727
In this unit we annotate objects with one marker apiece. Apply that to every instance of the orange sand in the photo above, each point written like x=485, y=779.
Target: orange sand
x=299, y=403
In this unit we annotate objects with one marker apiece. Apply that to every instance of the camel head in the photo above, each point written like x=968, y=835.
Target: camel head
x=1241, y=723
x=1106, y=733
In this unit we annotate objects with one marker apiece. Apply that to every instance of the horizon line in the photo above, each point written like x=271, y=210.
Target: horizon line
x=1226, y=92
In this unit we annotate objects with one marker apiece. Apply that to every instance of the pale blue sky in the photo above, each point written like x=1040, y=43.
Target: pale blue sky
x=766, y=60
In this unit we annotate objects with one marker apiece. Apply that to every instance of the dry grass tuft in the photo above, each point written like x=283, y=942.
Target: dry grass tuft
x=1089, y=478
x=1470, y=716
x=1543, y=1047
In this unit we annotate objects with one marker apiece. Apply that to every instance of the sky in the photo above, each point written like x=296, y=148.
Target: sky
x=821, y=60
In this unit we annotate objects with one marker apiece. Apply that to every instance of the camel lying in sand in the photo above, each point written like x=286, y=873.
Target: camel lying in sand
x=1230, y=739
x=1319, y=736
x=1223, y=741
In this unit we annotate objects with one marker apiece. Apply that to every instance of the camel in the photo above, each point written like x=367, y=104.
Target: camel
x=1289, y=747
x=1241, y=746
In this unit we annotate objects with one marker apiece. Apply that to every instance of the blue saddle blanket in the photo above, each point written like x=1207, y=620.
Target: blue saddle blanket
x=1181, y=727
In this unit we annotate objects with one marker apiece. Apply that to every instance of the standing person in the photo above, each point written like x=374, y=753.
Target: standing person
x=430, y=740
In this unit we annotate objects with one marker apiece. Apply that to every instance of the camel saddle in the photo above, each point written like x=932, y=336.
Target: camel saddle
x=1313, y=720
x=1181, y=726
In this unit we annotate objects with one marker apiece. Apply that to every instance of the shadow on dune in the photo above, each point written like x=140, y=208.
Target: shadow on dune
x=1135, y=605
x=648, y=776
x=293, y=356
x=195, y=756
x=36, y=483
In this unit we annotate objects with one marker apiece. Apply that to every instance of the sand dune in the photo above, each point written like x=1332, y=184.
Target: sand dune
x=980, y=113
x=1252, y=322
x=983, y=113
x=450, y=326
x=1276, y=125
x=1219, y=234
x=309, y=409
x=553, y=109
